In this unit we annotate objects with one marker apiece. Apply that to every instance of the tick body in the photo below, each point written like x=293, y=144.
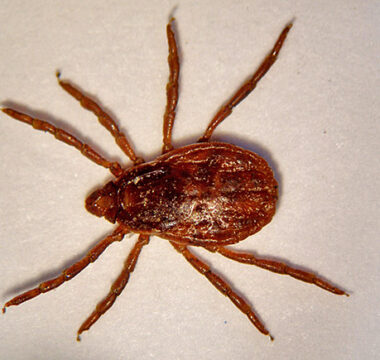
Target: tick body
x=208, y=194
x=201, y=194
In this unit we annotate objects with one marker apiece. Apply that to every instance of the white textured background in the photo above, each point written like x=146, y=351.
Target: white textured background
x=314, y=117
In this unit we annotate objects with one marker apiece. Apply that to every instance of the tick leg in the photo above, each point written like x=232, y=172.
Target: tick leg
x=103, y=118
x=67, y=138
x=171, y=89
x=70, y=272
x=278, y=267
x=247, y=87
x=117, y=287
x=223, y=287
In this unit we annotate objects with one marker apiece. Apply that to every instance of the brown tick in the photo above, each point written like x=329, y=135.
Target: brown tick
x=208, y=194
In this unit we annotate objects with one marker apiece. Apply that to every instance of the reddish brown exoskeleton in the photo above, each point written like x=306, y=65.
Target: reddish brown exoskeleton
x=207, y=194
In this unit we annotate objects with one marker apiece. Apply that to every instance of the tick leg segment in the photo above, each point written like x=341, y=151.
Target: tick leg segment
x=117, y=287
x=103, y=118
x=223, y=287
x=71, y=271
x=278, y=267
x=67, y=138
x=171, y=89
x=247, y=87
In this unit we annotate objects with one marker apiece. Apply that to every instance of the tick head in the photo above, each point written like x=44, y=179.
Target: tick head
x=103, y=202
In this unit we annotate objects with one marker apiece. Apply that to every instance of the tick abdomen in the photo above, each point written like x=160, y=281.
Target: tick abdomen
x=200, y=194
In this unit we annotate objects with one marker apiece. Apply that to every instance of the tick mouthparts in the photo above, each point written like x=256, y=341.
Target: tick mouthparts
x=103, y=202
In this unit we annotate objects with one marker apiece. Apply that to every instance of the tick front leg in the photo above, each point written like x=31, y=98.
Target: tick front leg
x=67, y=138
x=223, y=287
x=171, y=89
x=247, y=87
x=278, y=267
x=70, y=272
x=117, y=287
x=103, y=118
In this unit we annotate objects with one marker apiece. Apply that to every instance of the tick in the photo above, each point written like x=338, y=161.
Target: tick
x=207, y=194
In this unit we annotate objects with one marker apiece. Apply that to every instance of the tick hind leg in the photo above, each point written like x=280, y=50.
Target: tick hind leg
x=70, y=272
x=103, y=118
x=117, y=287
x=247, y=87
x=223, y=287
x=278, y=267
